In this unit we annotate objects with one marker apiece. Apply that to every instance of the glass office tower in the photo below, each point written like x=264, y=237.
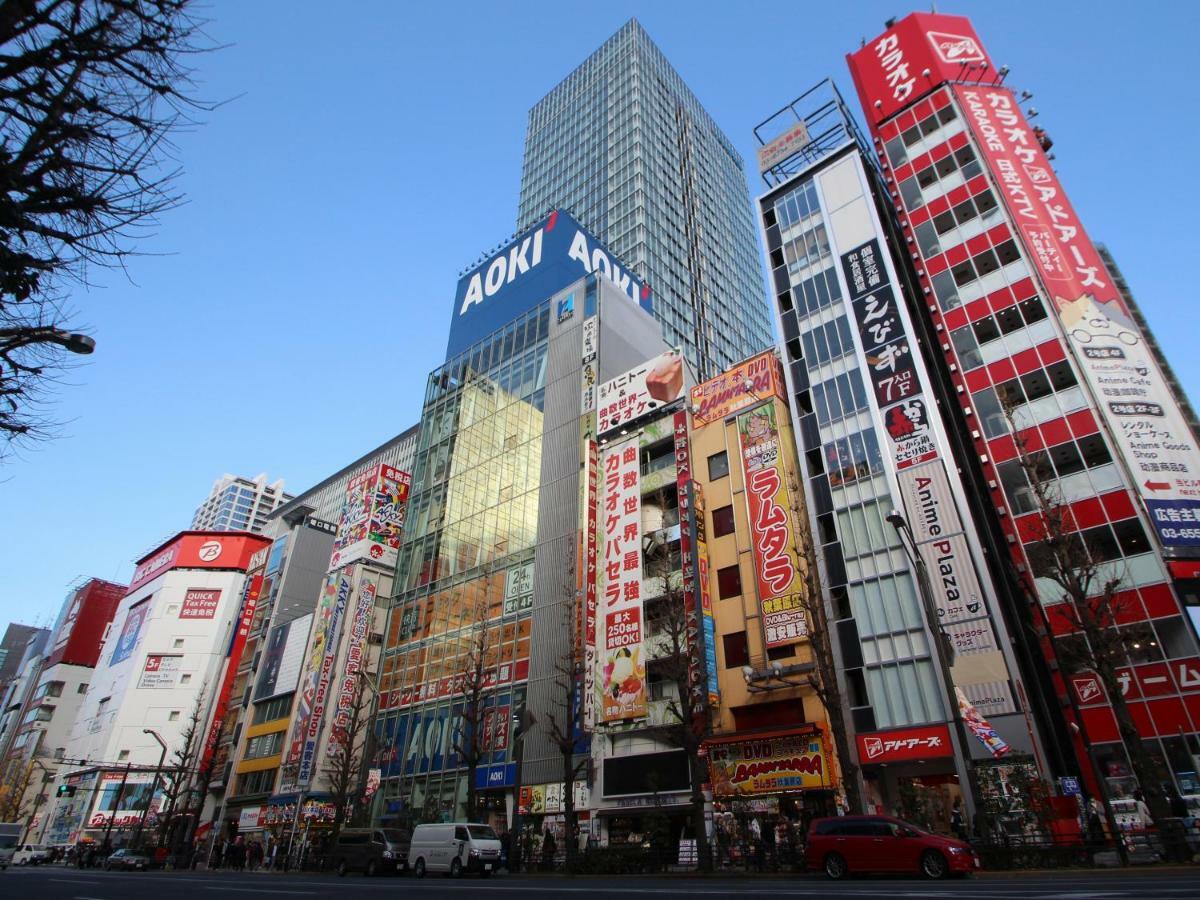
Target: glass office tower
x=626, y=147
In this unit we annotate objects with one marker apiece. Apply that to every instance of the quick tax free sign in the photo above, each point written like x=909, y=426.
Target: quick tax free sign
x=533, y=267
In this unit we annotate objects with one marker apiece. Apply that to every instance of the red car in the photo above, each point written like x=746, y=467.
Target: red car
x=877, y=844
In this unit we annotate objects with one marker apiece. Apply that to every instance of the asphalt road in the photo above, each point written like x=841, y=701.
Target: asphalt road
x=58, y=883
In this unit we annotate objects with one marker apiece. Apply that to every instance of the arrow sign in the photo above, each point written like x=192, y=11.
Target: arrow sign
x=1157, y=485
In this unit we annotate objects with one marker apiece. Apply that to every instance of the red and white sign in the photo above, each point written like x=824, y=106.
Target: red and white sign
x=640, y=391
x=1139, y=407
x=200, y=603
x=591, y=561
x=890, y=71
x=160, y=671
x=924, y=742
x=197, y=550
x=249, y=605
x=1088, y=689
x=622, y=678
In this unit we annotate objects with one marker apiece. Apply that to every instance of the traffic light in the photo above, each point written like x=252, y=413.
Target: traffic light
x=66, y=790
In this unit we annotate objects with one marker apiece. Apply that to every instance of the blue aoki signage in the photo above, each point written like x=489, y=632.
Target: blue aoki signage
x=537, y=264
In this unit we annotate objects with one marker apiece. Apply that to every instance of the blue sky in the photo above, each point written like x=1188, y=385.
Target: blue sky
x=288, y=314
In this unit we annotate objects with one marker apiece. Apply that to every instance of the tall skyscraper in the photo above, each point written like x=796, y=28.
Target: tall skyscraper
x=624, y=145
x=239, y=504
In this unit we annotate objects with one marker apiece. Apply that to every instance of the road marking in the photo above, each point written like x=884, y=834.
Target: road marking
x=242, y=890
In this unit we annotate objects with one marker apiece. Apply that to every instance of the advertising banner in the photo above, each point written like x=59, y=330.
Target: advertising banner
x=791, y=142
x=321, y=658
x=697, y=683
x=776, y=566
x=640, y=391
x=905, y=744
x=980, y=727
x=199, y=603
x=372, y=519
x=129, y=632
x=518, y=589
x=124, y=806
x=324, y=636
x=911, y=58
x=622, y=681
x=237, y=646
x=1135, y=400
x=591, y=563
x=160, y=672
x=744, y=385
x=768, y=765
x=282, y=656
x=355, y=660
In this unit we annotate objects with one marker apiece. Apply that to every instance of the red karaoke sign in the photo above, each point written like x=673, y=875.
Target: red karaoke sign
x=913, y=57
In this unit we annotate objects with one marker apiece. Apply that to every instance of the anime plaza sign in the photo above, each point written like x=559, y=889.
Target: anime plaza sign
x=536, y=265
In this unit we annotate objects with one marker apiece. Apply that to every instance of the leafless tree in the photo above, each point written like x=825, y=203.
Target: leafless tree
x=823, y=680
x=673, y=628
x=473, y=677
x=177, y=774
x=344, y=761
x=91, y=92
x=1090, y=603
x=562, y=722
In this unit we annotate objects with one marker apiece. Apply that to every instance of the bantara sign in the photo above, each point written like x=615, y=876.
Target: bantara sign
x=536, y=265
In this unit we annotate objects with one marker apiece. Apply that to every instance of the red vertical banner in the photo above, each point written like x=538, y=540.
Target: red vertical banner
x=236, y=648
x=1137, y=404
x=590, y=561
x=622, y=682
x=691, y=608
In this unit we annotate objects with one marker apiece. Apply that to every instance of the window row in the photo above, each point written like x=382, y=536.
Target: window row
x=264, y=745
x=897, y=147
x=840, y=396
x=827, y=342
x=982, y=206
x=948, y=284
x=1058, y=461
x=963, y=161
x=993, y=406
x=970, y=340
x=852, y=458
x=813, y=294
x=797, y=205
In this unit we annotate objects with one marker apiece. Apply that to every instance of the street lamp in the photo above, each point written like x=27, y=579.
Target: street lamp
x=73, y=341
x=137, y=838
x=943, y=653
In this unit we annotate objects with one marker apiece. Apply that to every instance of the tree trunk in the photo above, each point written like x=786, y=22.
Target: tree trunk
x=570, y=817
x=699, y=820
x=472, y=792
x=1141, y=763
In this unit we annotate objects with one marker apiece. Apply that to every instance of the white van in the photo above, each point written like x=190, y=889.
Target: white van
x=454, y=848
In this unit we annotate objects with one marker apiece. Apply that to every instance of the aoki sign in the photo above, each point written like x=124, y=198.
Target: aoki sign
x=532, y=268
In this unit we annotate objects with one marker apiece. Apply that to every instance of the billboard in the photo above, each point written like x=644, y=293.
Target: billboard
x=160, y=672
x=904, y=744
x=769, y=765
x=775, y=151
x=622, y=676
x=535, y=266
x=697, y=684
x=372, y=518
x=129, y=632
x=282, y=657
x=197, y=550
x=1134, y=398
x=744, y=385
x=640, y=391
x=236, y=647
x=356, y=648
x=122, y=798
x=317, y=672
x=776, y=565
x=911, y=58
x=200, y=603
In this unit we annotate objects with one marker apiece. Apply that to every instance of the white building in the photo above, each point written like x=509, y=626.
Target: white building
x=172, y=649
x=239, y=504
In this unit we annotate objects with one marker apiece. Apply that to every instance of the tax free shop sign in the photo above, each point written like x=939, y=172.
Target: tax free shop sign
x=537, y=264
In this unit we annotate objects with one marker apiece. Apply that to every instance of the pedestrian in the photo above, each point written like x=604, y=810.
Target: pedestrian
x=756, y=842
x=1145, y=820
x=549, y=847
x=1095, y=821
x=957, y=823
x=505, y=847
